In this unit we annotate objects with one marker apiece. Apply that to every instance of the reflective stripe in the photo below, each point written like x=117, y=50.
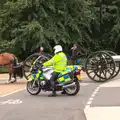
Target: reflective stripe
x=64, y=77
x=68, y=79
x=35, y=76
x=64, y=58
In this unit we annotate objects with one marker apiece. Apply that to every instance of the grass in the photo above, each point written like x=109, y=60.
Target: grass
x=3, y=70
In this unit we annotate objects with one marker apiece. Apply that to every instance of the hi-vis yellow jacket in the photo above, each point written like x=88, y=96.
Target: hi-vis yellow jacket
x=59, y=62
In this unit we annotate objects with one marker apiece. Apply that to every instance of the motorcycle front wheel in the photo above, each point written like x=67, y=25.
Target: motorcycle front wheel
x=33, y=87
x=73, y=90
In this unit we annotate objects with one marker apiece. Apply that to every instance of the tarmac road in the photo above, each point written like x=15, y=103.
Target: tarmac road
x=95, y=101
x=23, y=106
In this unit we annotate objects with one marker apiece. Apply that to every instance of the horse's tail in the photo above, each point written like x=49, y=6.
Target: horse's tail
x=15, y=61
x=19, y=70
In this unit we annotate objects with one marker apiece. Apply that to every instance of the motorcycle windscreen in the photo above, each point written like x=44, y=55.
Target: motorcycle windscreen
x=48, y=73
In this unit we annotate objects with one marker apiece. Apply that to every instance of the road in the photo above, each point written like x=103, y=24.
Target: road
x=105, y=103
x=84, y=106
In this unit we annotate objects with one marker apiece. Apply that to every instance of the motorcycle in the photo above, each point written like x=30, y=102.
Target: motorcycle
x=68, y=80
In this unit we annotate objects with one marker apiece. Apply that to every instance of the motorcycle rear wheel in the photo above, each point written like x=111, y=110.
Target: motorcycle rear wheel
x=32, y=91
x=75, y=90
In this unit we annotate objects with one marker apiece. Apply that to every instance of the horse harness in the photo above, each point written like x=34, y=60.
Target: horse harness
x=3, y=65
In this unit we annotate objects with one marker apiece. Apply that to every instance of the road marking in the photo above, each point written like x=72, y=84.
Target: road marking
x=13, y=92
x=91, y=99
x=11, y=101
x=102, y=113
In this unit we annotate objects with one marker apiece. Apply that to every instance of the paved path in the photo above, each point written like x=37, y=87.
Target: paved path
x=106, y=102
x=6, y=89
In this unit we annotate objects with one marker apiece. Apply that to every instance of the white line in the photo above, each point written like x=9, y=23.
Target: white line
x=91, y=99
x=87, y=106
x=12, y=92
x=93, y=95
x=89, y=102
x=96, y=90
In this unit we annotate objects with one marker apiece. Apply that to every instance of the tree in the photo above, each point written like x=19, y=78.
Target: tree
x=27, y=24
x=110, y=15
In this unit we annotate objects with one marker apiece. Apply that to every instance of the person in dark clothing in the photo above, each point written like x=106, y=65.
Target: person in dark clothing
x=77, y=52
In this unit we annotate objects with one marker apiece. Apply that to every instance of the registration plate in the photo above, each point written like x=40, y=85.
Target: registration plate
x=78, y=77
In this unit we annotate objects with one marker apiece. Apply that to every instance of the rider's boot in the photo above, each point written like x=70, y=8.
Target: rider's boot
x=53, y=94
x=63, y=92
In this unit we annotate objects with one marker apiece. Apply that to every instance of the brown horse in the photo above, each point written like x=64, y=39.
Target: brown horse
x=9, y=61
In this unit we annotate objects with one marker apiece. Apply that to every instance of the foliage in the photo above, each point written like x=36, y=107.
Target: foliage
x=25, y=25
x=103, y=33
x=31, y=24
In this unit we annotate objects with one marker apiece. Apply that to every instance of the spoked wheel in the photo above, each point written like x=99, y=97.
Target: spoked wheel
x=100, y=66
x=73, y=90
x=33, y=87
x=28, y=63
x=117, y=64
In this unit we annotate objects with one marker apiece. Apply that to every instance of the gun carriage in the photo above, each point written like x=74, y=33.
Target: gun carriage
x=99, y=66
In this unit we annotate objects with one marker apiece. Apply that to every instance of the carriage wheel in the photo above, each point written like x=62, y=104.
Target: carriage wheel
x=28, y=63
x=100, y=66
x=117, y=68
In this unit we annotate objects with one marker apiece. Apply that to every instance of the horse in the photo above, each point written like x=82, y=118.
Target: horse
x=10, y=61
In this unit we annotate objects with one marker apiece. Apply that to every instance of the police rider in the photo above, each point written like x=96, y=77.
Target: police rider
x=59, y=62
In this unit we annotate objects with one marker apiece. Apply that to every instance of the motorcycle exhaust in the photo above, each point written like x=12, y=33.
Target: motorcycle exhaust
x=69, y=85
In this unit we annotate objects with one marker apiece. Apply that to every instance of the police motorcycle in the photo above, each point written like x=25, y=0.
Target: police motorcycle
x=67, y=81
